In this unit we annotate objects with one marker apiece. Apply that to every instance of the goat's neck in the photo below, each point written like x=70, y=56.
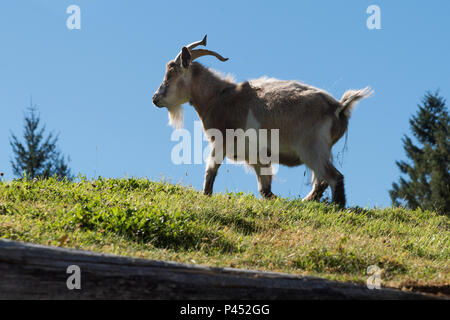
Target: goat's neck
x=206, y=86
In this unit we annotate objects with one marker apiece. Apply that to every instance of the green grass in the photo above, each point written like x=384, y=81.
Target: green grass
x=158, y=220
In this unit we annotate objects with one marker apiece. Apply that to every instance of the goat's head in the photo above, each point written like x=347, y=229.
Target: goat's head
x=176, y=86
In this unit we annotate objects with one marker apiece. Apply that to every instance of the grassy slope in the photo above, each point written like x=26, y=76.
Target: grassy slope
x=157, y=220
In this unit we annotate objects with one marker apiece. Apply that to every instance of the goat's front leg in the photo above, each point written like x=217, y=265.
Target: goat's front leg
x=211, y=171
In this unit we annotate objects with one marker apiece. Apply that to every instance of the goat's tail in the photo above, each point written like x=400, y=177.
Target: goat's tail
x=350, y=98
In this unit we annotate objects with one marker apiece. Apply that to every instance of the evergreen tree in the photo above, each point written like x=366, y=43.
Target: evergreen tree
x=38, y=156
x=428, y=186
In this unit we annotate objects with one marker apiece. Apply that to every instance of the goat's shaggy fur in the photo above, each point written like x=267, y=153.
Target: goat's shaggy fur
x=310, y=121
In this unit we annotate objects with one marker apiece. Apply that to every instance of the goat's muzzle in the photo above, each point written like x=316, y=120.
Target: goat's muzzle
x=156, y=100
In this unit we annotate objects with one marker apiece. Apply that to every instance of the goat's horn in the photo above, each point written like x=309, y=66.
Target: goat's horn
x=198, y=43
x=192, y=46
x=203, y=52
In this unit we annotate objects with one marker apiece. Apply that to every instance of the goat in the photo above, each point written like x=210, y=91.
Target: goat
x=310, y=121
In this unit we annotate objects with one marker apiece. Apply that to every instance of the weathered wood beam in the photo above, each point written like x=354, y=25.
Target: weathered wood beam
x=29, y=271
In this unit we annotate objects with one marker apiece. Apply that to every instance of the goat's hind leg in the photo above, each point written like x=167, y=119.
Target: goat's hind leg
x=325, y=170
x=264, y=176
x=339, y=190
x=336, y=181
x=316, y=193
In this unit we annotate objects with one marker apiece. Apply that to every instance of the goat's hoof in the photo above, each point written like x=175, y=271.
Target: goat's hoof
x=340, y=205
x=270, y=196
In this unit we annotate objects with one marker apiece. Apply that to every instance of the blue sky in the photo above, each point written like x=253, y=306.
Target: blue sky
x=94, y=86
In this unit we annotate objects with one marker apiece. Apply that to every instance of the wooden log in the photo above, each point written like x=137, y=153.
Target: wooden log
x=29, y=271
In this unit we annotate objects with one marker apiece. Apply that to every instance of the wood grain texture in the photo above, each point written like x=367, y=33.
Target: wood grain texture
x=29, y=271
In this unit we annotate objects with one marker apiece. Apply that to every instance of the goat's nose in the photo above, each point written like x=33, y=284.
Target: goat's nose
x=156, y=100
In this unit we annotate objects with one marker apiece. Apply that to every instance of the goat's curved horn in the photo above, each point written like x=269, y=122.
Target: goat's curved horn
x=203, y=52
x=192, y=46
x=198, y=43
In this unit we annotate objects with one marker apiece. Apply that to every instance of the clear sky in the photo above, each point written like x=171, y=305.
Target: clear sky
x=94, y=86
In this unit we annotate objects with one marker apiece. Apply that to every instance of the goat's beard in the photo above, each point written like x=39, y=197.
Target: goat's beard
x=176, y=117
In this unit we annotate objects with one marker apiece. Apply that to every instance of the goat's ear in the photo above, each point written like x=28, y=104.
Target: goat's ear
x=185, y=57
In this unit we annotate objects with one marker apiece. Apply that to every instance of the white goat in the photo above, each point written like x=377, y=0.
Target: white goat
x=310, y=121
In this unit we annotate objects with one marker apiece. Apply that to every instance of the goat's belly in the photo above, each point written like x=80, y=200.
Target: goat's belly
x=252, y=150
x=289, y=159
